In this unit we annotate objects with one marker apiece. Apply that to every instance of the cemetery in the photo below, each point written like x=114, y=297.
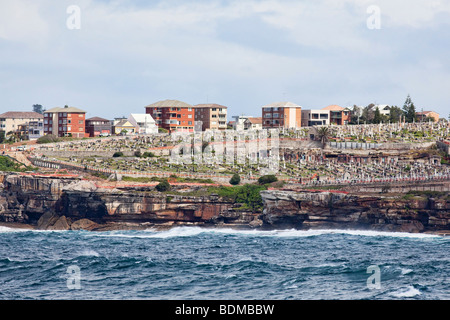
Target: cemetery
x=347, y=154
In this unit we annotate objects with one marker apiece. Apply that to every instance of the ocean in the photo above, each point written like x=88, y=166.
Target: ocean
x=193, y=263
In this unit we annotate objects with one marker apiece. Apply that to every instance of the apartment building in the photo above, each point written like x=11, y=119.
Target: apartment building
x=96, y=126
x=282, y=115
x=315, y=117
x=172, y=115
x=65, y=122
x=338, y=115
x=213, y=116
x=11, y=121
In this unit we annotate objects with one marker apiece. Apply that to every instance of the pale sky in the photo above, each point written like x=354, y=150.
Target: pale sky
x=243, y=54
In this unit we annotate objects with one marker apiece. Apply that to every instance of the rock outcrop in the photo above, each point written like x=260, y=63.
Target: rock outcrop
x=308, y=210
x=70, y=203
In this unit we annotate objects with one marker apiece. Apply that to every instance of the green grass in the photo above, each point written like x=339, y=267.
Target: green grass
x=6, y=164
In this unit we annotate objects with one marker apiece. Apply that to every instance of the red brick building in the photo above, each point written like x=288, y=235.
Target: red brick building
x=281, y=115
x=65, y=122
x=96, y=126
x=172, y=115
x=338, y=115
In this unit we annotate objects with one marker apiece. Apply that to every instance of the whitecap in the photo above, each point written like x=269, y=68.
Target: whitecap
x=406, y=271
x=408, y=292
x=90, y=253
x=188, y=231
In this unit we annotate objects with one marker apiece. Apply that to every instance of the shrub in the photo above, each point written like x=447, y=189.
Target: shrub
x=163, y=186
x=137, y=154
x=235, y=179
x=118, y=154
x=267, y=179
x=49, y=138
x=148, y=154
x=162, y=130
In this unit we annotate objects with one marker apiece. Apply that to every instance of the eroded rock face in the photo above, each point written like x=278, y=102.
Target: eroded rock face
x=63, y=204
x=338, y=210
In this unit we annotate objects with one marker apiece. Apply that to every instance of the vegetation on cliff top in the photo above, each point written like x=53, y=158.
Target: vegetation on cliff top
x=6, y=164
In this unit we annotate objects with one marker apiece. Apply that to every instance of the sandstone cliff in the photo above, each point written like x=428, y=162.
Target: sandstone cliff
x=307, y=210
x=71, y=203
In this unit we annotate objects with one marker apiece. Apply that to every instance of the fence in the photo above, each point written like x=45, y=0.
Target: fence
x=58, y=164
x=379, y=146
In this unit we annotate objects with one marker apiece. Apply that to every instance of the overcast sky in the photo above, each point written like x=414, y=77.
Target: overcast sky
x=243, y=54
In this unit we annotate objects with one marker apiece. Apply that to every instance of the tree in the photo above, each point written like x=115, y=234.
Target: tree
x=235, y=179
x=38, y=108
x=367, y=114
x=409, y=110
x=267, y=179
x=394, y=114
x=324, y=134
x=163, y=186
x=377, y=116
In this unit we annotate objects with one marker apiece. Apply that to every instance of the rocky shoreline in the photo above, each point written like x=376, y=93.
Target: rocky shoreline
x=69, y=203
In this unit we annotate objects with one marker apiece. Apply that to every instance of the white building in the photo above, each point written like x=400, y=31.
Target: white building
x=385, y=110
x=144, y=123
x=239, y=122
x=315, y=117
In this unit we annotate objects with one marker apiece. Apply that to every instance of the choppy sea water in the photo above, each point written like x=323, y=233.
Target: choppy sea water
x=195, y=263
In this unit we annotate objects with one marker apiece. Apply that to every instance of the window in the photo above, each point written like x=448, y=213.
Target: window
x=190, y=116
x=69, y=121
x=46, y=121
x=189, y=109
x=275, y=115
x=65, y=114
x=190, y=123
x=60, y=121
x=80, y=121
x=64, y=121
x=69, y=128
x=214, y=109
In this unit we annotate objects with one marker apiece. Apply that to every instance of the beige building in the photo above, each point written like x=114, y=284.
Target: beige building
x=212, y=116
x=254, y=123
x=11, y=120
x=425, y=116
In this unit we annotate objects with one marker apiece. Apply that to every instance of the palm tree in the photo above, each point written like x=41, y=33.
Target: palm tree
x=323, y=134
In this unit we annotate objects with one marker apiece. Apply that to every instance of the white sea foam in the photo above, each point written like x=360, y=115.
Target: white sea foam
x=90, y=253
x=10, y=230
x=408, y=292
x=193, y=231
x=406, y=271
x=186, y=231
